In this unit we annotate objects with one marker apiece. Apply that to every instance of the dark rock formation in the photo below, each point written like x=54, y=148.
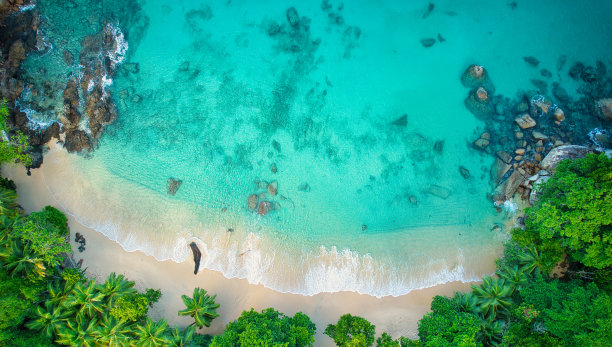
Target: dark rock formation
x=428, y=42
x=479, y=103
x=401, y=121
x=430, y=8
x=465, y=173
x=292, y=17
x=439, y=191
x=252, y=202
x=476, y=76
x=77, y=141
x=533, y=61
x=173, y=185
x=197, y=256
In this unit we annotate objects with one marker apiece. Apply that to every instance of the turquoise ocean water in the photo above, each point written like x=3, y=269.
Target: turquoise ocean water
x=226, y=89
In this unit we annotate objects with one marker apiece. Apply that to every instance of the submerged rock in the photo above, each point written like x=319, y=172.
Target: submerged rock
x=438, y=191
x=273, y=188
x=292, y=17
x=252, y=202
x=173, y=185
x=479, y=103
x=264, y=208
x=531, y=60
x=476, y=76
x=465, y=173
x=430, y=8
x=605, y=108
x=304, y=187
x=428, y=42
x=401, y=121
x=576, y=70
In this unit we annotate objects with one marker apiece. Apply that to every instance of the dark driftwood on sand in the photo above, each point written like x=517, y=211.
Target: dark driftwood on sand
x=197, y=255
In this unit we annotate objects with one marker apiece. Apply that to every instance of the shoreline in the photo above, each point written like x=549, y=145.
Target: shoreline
x=397, y=316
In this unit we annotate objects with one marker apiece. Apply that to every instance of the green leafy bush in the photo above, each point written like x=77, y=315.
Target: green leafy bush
x=448, y=325
x=351, y=331
x=268, y=328
x=12, y=148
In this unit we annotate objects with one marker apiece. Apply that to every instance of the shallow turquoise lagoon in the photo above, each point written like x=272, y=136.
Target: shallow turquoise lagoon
x=364, y=126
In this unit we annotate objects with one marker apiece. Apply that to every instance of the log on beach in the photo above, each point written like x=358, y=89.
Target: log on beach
x=197, y=255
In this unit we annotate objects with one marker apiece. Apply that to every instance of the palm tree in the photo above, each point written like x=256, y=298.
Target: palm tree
x=201, y=307
x=153, y=333
x=493, y=295
x=115, y=287
x=48, y=319
x=58, y=292
x=531, y=260
x=112, y=332
x=466, y=301
x=22, y=261
x=85, y=298
x=491, y=332
x=181, y=338
x=8, y=202
x=514, y=276
x=78, y=332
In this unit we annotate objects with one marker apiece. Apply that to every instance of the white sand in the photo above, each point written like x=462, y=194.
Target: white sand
x=397, y=316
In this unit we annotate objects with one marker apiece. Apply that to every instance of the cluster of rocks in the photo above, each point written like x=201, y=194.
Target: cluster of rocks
x=87, y=94
x=87, y=106
x=80, y=239
x=19, y=36
x=526, y=134
x=263, y=201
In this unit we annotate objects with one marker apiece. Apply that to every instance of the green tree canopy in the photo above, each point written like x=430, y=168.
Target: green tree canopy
x=268, y=328
x=447, y=325
x=351, y=331
x=574, y=213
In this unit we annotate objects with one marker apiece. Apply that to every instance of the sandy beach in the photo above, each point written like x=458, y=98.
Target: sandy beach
x=397, y=316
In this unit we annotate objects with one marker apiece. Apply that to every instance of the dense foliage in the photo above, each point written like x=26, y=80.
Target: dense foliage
x=44, y=304
x=574, y=213
x=12, y=148
x=268, y=328
x=351, y=331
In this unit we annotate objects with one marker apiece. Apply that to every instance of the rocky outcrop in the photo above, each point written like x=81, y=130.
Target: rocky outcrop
x=77, y=141
x=556, y=155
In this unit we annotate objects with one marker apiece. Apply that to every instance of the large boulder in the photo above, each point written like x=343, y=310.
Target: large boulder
x=605, y=108
x=556, y=155
x=479, y=103
x=476, y=76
